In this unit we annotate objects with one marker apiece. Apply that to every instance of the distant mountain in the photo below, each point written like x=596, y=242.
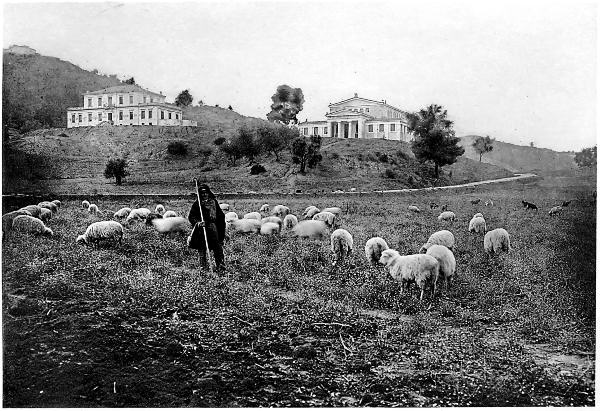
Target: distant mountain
x=520, y=158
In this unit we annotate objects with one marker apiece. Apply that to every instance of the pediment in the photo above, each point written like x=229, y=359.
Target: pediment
x=348, y=113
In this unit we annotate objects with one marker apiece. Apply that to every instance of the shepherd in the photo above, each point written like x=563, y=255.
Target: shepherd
x=209, y=227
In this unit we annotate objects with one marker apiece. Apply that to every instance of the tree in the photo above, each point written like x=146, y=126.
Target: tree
x=306, y=152
x=531, y=144
x=483, y=145
x=248, y=141
x=287, y=103
x=230, y=108
x=115, y=168
x=586, y=157
x=434, y=137
x=184, y=99
x=232, y=149
x=275, y=138
x=130, y=81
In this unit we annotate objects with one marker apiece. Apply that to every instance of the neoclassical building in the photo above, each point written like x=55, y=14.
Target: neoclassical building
x=359, y=117
x=125, y=105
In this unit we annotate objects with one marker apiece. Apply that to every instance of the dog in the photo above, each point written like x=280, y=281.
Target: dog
x=529, y=206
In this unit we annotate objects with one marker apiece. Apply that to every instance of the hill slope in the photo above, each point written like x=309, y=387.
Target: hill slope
x=520, y=158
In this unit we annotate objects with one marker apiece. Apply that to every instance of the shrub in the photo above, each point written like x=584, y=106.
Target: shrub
x=257, y=169
x=177, y=148
x=334, y=155
x=390, y=173
x=219, y=141
x=383, y=157
x=205, y=151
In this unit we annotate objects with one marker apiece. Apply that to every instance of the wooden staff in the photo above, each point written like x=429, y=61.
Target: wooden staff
x=203, y=228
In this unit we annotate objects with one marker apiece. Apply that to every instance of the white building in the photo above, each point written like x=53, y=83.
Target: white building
x=125, y=105
x=359, y=117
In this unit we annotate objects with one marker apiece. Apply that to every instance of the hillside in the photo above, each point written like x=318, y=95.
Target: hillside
x=521, y=158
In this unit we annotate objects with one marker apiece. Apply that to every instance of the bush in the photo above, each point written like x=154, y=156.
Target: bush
x=219, y=141
x=205, y=151
x=177, y=148
x=390, y=173
x=257, y=169
x=383, y=157
x=334, y=155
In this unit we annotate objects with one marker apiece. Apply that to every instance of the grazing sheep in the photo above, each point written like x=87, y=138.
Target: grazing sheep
x=433, y=205
x=445, y=207
x=310, y=229
x=326, y=216
x=418, y=268
x=478, y=215
x=169, y=214
x=489, y=203
x=476, y=201
x=270, y=228
x=85, y=204
x=447, y=263
x=529, y=206
x=264, y=208
x=272, y=219
x=93, y=209
x=374, y=248
x=159, y=209
x=290, y=221
x=49, y=205
x=224, y=206
x=443, y=237
x=230, y=216
x=122, y=213
x=169, y=225
x=29, y=224
x=447, y=216
x=7, y=220
x=57, y=202
x=245, y=225
x=555, y=210
x=477, y=225
x=341, y=245
x=333, y=210
x=34, y=210
x=496, y=241
x=137, y=214
x=414, y=209
x=566, y=203
x=253, y=216
x=310, y=212
x=45, y=215
x=102, y=230
x=280, y=211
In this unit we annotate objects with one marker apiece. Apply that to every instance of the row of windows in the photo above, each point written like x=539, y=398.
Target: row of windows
x=142, y=115
x=370, y=128
x=100, y=100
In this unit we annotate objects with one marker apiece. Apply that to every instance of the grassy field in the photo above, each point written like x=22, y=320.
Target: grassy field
x=142, y=325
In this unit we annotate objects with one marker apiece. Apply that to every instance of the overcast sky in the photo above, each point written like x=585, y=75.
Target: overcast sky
x=519, y=72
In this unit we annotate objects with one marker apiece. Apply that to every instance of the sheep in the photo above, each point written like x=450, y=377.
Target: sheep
x=253, y=216
x=310, y=229
x=245, y=225
x=169, y=213
x=264, y=208
x=478, y=215
x=93, y=209
x=443, y=237
x=476, y=201
x=496, y=241
x=433, y=205
x=230, y=216
x=270, y=228
x=159, y=209
x=137, y=214
x=341, y=245
x=7, y=220
x=122, y=213
x=30, y=224
x=414, y=209
x=447, y=216
x=85, y=204
x=310, y=212
x=102, y=230
x=333, y=210
x=373, y=249
x=45, y=215
x=445, y=207
x=555, y=210
x=290, y=221
x=477, y=225
x=34, y=210
x=489, y=203
x=529, y=206
x=224, y=206
x=49, y=205
x=169, y=225
x=57, y=202
x=447, y=263
x=280, y=211
x=326, y=216
x=419, y=268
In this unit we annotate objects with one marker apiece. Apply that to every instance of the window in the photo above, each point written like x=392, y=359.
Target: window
x=176, y=116
x=99, y=116
x=143, y=124
x=131, y=115
x=109, y=116
x=143, y=114
x=89, y=102
x=325, y=130
x=370, y=128
x=150, y=123
x=151, y=100
x=144, y=99
x=381, y=127
x=99, y=101
x=169, y=115
x=90, y=117
x=121, y=100
x=305, y=131
x=150, y=115
x=130, y=99
x=367, y=110
x=162, y=115
x=80, y=118
x=316, y=131
x=392, y=127
x=120, y=115
x=110, y=101
x=72, y=118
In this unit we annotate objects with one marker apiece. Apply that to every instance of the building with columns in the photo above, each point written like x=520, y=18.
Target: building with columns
x=359, y=117
x=125, y=105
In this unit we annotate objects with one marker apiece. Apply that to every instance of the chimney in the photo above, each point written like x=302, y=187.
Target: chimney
x=355, y=94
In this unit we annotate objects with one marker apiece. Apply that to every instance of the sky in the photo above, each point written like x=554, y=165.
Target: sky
x=516, y=71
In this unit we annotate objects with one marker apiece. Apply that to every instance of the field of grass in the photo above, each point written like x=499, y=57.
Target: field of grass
x=143, y=325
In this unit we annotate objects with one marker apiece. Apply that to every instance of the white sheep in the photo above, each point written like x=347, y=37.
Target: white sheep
x=85, y=204
x=447, y=263
x=159, y=209
x=169, y=214
x=230, y=216
x=245, y=225
x=224, y=206
x=122, y=213
x=414, y=209
x=555, y=210
x=341, y=245
x=30, y=224
x=102, y=230
x=478, y=215
x=57, y=202
x=280, y=211
x=264, y=208
x=171, y=225
x=272, y=219
x=255, y=215
x=418, y=268
x=49, y=205
x=326, y=216
x=374, y=248
x=489, y=203
x=290, y=221
x=447, y=216
x=93, y=209
x=34, y=210
x=477, y=225
x=310, y=229
x=496, y=241
x=7, y=220
x=333, y=210
x=270, y=228
x=443, y=237
x=310, y=212
x=45, y=215
x=137, y=214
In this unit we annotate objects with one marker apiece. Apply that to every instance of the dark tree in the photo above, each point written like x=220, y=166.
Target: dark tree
x=434, y=137
x=483, y=145
x=219, y=140
x=275, y=138
x=130, y=81
x=531, y=144
x=287, y=103
x=115, y=168
x=184, y=99
x=177, y=148
x=306, y=152
x=586, y=157
x=230, y=108
x=248, y=141
x=232, y=149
